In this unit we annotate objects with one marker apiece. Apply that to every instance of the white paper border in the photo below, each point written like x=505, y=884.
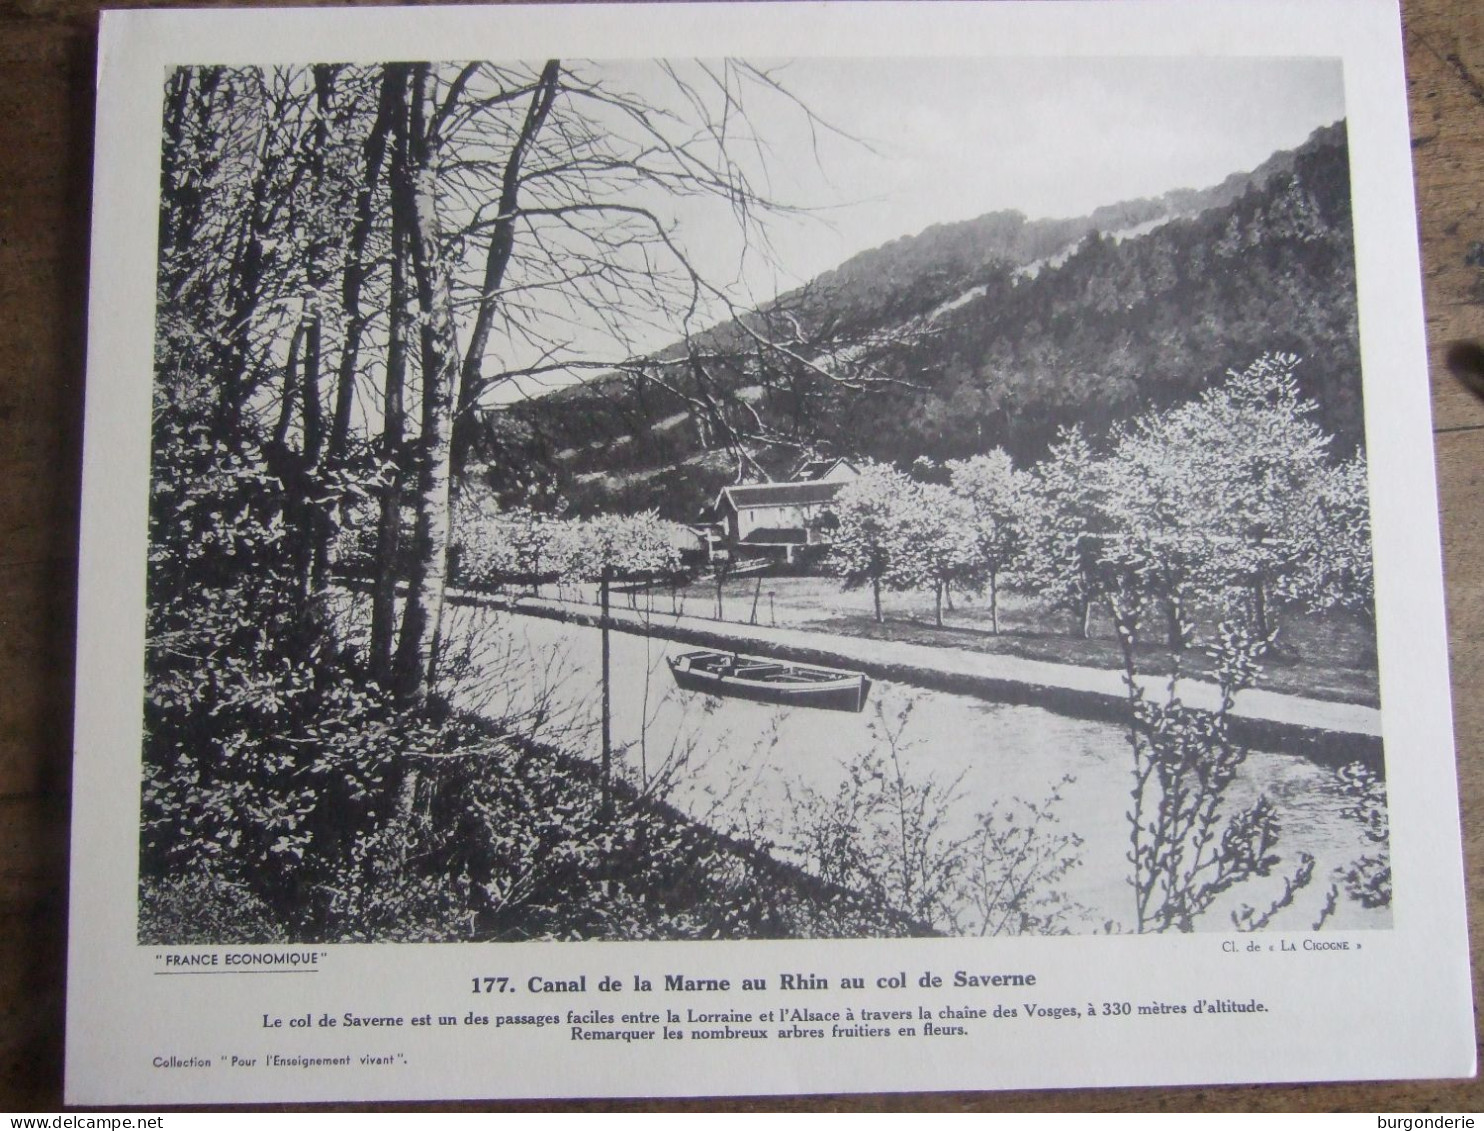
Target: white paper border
x=1400, y=1010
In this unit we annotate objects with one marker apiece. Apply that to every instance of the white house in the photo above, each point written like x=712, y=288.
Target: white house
x=776, y=519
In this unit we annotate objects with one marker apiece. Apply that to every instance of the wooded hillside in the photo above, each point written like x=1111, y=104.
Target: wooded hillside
x=989, y=333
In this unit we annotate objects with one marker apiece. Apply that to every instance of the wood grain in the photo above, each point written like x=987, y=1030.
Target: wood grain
x=46, y=67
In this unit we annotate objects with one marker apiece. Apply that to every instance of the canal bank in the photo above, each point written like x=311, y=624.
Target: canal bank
x=1328, y=732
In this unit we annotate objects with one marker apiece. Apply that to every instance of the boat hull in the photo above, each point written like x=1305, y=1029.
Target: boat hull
x=770, y=681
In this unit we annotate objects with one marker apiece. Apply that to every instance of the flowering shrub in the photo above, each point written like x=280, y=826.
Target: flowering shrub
x=1185, y=847
x=1367, y=880
x=903, y=841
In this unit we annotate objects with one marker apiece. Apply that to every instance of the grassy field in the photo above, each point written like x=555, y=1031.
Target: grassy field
x=1326, y=656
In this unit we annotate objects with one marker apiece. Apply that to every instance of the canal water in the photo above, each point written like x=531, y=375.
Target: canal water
x=749, y=769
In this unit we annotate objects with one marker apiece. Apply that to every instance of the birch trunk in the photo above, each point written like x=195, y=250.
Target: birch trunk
x=393, y=437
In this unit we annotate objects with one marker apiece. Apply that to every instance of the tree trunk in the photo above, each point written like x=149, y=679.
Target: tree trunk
x=502, y=244
x=414, y=209
x=1259, y=607
x=938, y=603
x=994, y=608
x=389, y=525
x=355, y=276
x=1174, y=625
x=876, y=597
x=315, y=525
x=233, y=348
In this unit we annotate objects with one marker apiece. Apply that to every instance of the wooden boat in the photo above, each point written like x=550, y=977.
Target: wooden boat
x=770, y=681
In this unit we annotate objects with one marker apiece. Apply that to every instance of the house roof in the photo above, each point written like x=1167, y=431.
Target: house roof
x=776, y=536
x=778, y=494
x=812, y=469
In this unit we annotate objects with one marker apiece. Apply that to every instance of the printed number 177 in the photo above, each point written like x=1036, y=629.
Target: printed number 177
x=493, y=986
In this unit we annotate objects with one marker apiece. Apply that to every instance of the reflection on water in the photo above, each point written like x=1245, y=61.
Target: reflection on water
x=734, y=764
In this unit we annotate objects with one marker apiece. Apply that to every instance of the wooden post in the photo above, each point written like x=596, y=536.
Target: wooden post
x=607, y=700
x=757, y=591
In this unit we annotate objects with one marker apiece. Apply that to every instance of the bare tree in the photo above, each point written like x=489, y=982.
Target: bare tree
x=406, y=240
x=533, y=205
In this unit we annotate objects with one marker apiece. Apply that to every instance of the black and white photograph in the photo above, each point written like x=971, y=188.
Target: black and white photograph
x=737, y=499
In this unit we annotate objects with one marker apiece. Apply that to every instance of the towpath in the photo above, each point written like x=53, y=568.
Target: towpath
x=1331, y=732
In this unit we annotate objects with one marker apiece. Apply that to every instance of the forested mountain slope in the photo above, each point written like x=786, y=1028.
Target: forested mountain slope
x=991, y=332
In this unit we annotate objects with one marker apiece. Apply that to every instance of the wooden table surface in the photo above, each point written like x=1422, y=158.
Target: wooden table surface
x=46, y=120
